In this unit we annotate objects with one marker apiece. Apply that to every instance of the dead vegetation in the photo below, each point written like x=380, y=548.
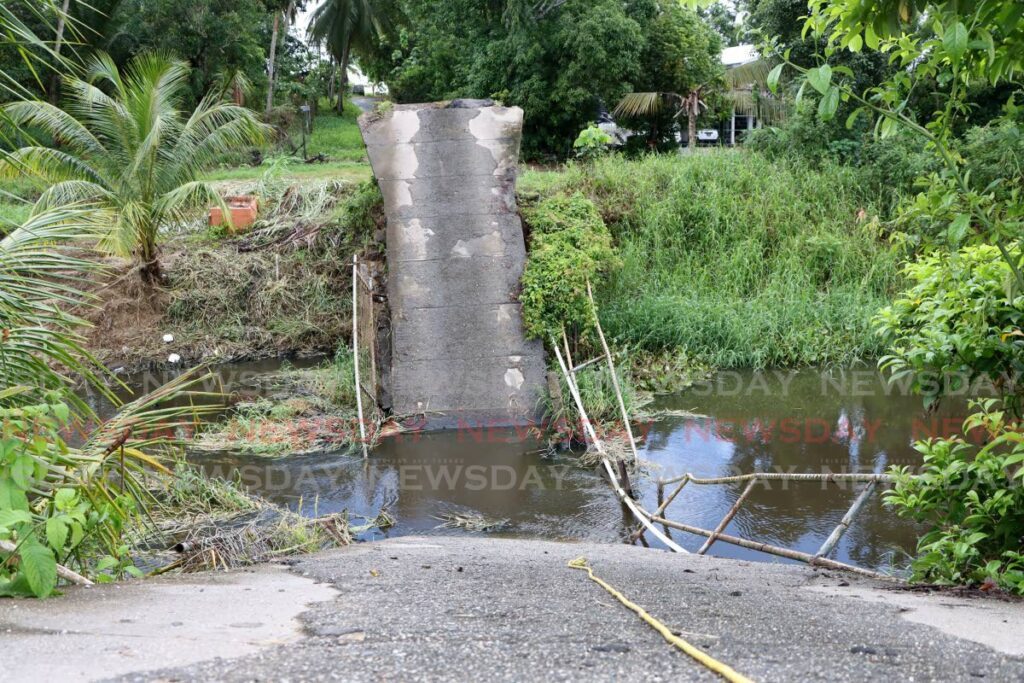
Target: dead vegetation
x=303, y=411
x=198, y=523
x=282, y=288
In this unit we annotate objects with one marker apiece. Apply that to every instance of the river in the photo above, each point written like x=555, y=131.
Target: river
x=811, y=420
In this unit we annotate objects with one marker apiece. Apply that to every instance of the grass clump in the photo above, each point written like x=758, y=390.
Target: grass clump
x=738, y=261
x=308, y=410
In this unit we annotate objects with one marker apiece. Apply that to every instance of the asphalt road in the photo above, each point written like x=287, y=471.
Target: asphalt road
x=471, y=608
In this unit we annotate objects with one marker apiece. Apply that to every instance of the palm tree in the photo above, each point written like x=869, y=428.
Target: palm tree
x=283, y=10
x=344, y=25
x=642, y=104
x=131, y=153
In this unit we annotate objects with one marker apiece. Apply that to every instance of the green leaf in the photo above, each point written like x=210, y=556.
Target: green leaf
x=65, y=499
x=56, y=532
x=773, y=78
x=957, y=230
x=856, y=43
x=11, y=497
x=39, y=567
x=820, y=78
x=11, y=518
x=870, y=37
x=955, y=41
x=829, y=104
x=852, y=118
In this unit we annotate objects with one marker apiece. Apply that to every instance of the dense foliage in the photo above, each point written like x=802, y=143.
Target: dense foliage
x=972, y=499
x=962, y=313
x=560, y=62
x=959, y=323
x=736, y=260
x=569, y=247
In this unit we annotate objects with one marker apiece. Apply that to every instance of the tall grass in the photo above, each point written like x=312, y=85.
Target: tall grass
x=738, y=261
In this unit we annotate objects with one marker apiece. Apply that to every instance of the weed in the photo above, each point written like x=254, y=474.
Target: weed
x=735, y=260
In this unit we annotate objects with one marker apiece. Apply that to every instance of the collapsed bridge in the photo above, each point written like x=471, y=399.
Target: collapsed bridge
x=455, y=254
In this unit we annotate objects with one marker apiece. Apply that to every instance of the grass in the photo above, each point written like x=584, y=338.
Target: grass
x=336, y=137
x=733, y=260
x=314, y=411
x=284, y=287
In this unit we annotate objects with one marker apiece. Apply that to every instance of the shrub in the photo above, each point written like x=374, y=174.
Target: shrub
x=591, y=142
x=957, y=323
x=973, y=500
x=569, y=245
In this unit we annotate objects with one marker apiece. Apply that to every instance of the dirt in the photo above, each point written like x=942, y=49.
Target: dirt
x=218, y=303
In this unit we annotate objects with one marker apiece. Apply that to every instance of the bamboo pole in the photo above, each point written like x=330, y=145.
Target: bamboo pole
x=62, y=571
x=355, y=352
x=588, y=429
x=615, y=378
x=662, y=504
x=728, y=518
x=844, y=524
x=774, y=550
x=637, y=511
x=777, y=476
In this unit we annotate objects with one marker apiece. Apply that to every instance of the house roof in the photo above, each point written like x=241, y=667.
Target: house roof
x=739, y=54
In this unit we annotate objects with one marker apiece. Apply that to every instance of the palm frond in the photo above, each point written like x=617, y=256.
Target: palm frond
x=640, y=104
x=746, y=75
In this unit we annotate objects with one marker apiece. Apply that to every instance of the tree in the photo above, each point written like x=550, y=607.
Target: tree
x=562, y=61
x=57, y=44
x=286, y=12
x=130, y=152
x=961, y=318
x=681, y=66
x=344, y=25
x=212, y=36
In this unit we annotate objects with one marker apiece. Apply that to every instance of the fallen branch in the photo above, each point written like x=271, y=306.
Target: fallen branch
x=62, y=571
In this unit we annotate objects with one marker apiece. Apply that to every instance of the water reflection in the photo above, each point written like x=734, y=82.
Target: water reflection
x=776, y=421
x=807, y=421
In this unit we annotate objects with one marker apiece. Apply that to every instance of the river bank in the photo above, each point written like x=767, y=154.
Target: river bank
x=488, y=609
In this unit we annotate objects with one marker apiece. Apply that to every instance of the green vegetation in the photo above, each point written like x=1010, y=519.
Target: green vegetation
x=279, y=288
x=569, y=247
x=960, y=319
x=559, y=61
x=130, y=155
x=738, y=261
x=955, y=326
x=318, y=414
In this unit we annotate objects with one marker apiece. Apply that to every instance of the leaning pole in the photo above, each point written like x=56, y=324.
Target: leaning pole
x=455, y=255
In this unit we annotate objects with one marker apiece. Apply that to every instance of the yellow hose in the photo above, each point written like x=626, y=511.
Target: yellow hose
x=708, y=661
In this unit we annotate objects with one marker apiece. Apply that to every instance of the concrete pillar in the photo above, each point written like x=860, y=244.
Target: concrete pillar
x=455, y=254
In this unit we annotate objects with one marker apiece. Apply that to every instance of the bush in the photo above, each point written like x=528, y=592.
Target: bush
x=973, y=500
x=957, y=323
x=569, y=245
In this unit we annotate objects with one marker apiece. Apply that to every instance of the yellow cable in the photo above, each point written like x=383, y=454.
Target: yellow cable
x=708, y=661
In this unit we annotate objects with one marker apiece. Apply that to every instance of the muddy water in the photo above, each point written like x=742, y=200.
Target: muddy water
x=784, y=421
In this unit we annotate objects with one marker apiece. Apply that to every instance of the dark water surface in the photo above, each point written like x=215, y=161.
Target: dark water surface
x=773, y=421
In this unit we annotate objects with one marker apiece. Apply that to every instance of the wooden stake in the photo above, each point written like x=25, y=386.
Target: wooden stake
x=844, y=524
x=728, y=517
x=773, y=549
x=637, y=511
x=355, y=352
x=615, y=377
x=832, y=477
